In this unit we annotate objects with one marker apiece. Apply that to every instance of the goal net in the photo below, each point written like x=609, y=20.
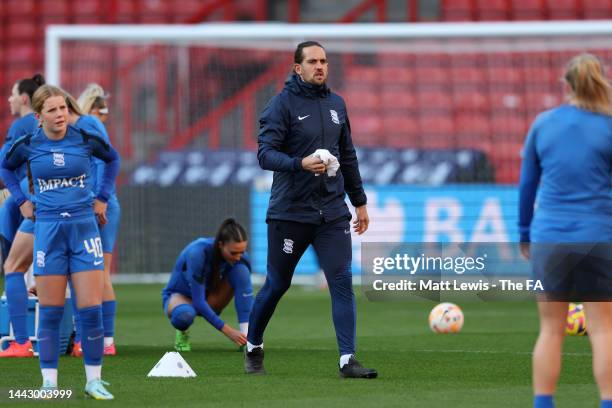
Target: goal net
x=438, y=112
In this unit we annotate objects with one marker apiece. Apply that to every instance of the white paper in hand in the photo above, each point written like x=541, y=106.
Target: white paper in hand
x=331, y=162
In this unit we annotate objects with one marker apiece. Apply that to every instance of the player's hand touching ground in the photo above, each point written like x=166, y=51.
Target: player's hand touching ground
x=234, y=335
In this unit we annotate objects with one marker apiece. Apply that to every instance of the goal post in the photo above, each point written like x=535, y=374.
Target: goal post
x=438, y=111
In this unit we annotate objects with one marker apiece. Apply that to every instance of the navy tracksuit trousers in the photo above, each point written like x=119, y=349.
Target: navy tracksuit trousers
x=287, y=242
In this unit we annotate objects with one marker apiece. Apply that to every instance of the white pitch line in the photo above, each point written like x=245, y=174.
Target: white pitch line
x=527, y=353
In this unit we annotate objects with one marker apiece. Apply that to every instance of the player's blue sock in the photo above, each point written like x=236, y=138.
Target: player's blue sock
x=543, y=401
x=109, y=309
x=606, y=403
x=49, y=320
x=92, y=335
x=240, y=279
x=182, y=316
x=75, y=314
x=17, y=299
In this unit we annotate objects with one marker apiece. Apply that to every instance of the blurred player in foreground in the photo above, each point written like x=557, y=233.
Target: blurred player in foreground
x=567, y=159
x=66, y=237
x=307, y=201
x=16, y=232
x=207, y=274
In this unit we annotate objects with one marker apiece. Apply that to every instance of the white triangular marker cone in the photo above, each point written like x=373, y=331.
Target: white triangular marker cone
x=172, y=364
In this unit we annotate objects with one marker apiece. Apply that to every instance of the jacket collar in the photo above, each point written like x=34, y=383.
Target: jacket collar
x=295, y=85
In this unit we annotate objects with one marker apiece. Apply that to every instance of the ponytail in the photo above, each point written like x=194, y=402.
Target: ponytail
x=92, y=97
x=590, y=88
x=29, y=85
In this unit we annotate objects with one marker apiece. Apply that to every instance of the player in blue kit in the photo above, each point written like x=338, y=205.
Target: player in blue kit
x=67, y=242
x=15, y=233
x=567, y=160
x=207, y=273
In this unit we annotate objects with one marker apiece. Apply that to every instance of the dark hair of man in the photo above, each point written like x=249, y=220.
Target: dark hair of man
x=298, y=57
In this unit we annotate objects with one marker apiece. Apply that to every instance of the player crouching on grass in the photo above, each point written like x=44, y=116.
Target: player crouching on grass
x=207, y=273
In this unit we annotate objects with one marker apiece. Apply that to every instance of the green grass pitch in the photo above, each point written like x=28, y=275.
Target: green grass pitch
x=486, y=365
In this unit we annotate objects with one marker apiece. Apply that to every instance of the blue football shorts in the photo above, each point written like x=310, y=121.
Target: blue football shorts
x=67, y=246
x=26, y=226
x=574, y=271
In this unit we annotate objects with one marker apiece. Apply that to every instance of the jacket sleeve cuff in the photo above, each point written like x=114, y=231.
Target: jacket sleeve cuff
x=297, y=164
x=359, y=200
x=525, y=237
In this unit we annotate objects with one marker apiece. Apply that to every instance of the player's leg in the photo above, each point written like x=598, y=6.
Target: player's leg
x=50, y=271
x=287, y=242
x=181, y=313
x=599, y=321
x=108, y=234
x=17, y=263
x=220, y=297
x=51, y=290
x=332, y=244
x=239, y=277
x=547, y=351
x=87, y=276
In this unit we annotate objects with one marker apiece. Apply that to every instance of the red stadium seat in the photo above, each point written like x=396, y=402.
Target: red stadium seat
x=402, y=141
x=400, y=124
x=471, y=100
x=492, y=10
x=468, y=75
x=434, y=100
x=24, y=31
x=397, y=98
x=564, y=9
x=433, y=75
x=458, y=10
x=506, y=126
x=362, y=75
x=476, y=124
x=19, y=8
x=187, y=10
x=528, y=10
x=506, y=77
x=366, y=124
x=468, y=59
x=507, y=172
x=437, y=125
x=596, y=9
x=55, y=8
x=397, y=75
x=506, y=101
x=361, y=98
x=536, y=101
x=395, y=59
x=26, y=54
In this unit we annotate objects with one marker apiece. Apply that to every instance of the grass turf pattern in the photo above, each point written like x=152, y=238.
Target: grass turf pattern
x=487, y=365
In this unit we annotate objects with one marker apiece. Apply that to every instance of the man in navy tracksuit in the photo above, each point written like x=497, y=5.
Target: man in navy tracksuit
x=307, y=206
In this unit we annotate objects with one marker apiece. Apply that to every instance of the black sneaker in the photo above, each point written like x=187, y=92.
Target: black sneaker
x=353, y=369
x=253, y=361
